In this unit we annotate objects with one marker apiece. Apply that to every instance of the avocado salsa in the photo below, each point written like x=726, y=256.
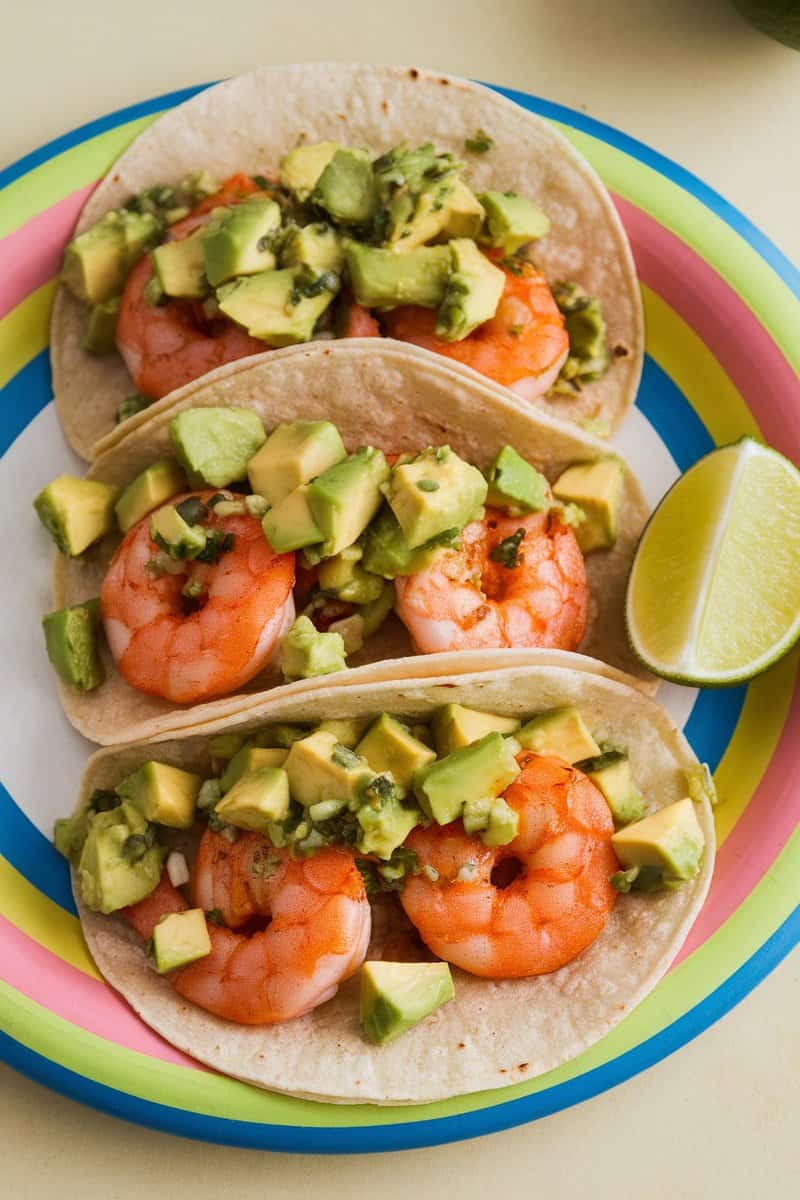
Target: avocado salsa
x=363, y=784
x=287, y=258
x=356, y=522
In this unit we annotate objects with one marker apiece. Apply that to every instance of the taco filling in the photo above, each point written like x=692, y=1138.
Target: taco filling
x=496, y=844
x=182, y=279
x=249, y=553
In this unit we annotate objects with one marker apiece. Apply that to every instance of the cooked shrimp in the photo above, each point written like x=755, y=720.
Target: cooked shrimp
x=167, y=345
x=467, y=601
x=190, y=650
x=529, y=907
x=359, y=322
x=317, y=936
x=523, y=346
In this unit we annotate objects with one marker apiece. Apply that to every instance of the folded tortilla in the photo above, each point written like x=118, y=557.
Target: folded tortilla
x=494, y=1033
x=249, y=123
x=388, y=397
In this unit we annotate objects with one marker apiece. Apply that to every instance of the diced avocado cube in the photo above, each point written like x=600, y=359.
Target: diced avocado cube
x=389, y=746
x=611, y=773
x=239, y=240
x=131, y=405
x=344, y=578
x=597, y=489
x=279, y=735
x=454, y=726
x=279, y=307
x=215, y=444
x=101, y=328
x=346, y=189
x=397, y=996
x=225, y=746
x=464, y=212
x=671, y=839
x=700, y=784
x=152, y=487
x=345, y=497
x=318, y=246
x=484, y=768
x=503, y=824
x=472, y=294
x=293, y=454
x=120, y=862
x=163, y=794
x=305, y=652
x=301, y=168
x=516, y=486
x=290, y=524
x=320, y=768
x=180, y=938
x=512, y=221
x=71, y=638
x=585, y=324
x=247, y=759
x=384, y=822
x=180, y=267
x=70, y=833
x=435, y=492
x=387, y=553
x=348, y=731
x=97, y=261
x=475, y=814
x=560, y=733
x=375, y=613
x=76, y=512
x=256, y=799
x=384, y=279
x=174, y=535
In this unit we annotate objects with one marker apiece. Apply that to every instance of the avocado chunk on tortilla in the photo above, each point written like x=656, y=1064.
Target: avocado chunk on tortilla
x=120, y=862
x=71, y=639
x=435, y=492
x=455, y=725
x=560, y=733
x=101, y=328
x=611, y=773
x=214, y=445
x=281, y=307
x=390, y=746
x=483, y=769
x=250, y=758
x=596, y=488
x=387, y=553
x=152, y=487
x=163, y=794
x=175, y=536
x=305, y=652
x=670, y=839
x=397, y=996
x=180, y=267
x=290, y=525
x=179, y=939
x=320, y=768
x=494, y=819
x=344, y=498
x=76, y=512
x=293, y=454
x=347, y=730
x=472, y=294
x=318, y=246
x=346, y=188
x=97, y=262
x=383, y=279
x=256, y=799
x=302, y=167
x=239, y=240
x=344, y=578
x=512, y=221
x=515, y=485
x=585, y=324
x=384, y=821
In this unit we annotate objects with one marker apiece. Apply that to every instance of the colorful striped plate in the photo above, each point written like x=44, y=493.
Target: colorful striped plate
x=723, y=359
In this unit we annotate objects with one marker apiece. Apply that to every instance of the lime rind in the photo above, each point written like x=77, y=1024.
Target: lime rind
x=690, y=587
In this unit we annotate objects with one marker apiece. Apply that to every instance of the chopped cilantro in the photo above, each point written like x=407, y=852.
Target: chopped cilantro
x=217, y=544
x=507, y=552
x=480, y=143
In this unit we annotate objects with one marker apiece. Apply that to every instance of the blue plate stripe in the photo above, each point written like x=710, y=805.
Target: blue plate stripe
x=672, y=416
x=23, y=398
x=32, y=854
x=415, y=1134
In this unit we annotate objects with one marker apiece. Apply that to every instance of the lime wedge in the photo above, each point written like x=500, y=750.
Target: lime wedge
x=714, y=591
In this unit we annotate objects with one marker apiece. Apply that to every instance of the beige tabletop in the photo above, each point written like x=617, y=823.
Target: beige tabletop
x=720, y=1117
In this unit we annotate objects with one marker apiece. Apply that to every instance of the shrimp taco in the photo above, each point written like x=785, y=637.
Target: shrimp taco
x=339, y=506
x=333, y=200
x=399, y=890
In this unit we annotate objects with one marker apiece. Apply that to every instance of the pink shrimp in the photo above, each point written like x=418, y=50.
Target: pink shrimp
x=167, y=345
x=244, y=606
x=317, y=935
x=532, y=906
x=465, y=600
x=523, y=346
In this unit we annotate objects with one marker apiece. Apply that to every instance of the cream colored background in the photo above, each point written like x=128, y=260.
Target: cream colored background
x=719, y=1118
